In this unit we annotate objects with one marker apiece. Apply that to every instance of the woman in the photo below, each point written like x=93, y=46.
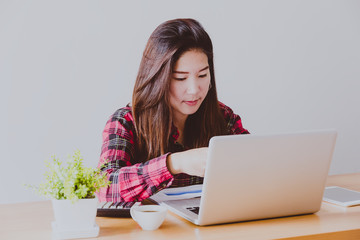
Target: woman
x=161, y=140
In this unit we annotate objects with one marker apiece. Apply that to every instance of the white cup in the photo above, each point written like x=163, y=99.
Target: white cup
x=149, y=217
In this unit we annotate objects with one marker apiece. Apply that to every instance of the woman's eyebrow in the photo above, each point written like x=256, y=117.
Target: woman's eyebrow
x=188, y=72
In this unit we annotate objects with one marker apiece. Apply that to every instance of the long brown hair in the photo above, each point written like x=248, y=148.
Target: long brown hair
x=150, y=102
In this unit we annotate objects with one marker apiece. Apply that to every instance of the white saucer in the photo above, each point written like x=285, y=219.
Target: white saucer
x=58, y=233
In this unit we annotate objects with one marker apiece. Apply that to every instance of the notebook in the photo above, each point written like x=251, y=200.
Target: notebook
x=251, y=177
x=341, y=196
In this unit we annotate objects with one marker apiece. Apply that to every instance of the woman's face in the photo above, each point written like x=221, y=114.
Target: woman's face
x=189, y=83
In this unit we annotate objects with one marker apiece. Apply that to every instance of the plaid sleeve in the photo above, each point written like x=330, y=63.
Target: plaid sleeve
x=130, y=179
x=233, y=120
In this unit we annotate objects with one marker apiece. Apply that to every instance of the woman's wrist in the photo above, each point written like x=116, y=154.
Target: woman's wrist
x=173, y=164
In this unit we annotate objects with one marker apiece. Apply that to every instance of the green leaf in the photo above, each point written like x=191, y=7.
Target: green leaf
x=73, y=181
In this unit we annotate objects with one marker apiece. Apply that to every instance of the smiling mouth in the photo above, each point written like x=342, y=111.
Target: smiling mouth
x=191, y=103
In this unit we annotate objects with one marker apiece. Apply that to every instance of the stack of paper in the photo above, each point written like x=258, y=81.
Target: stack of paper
x=178, y=193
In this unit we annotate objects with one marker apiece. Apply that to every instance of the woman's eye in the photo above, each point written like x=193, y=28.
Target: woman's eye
x=179, y=79
x=203, y=75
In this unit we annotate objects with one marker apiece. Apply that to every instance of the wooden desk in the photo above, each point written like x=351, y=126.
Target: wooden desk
x=33, y=221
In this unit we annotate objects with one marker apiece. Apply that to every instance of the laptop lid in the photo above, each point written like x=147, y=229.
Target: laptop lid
x=251, y=177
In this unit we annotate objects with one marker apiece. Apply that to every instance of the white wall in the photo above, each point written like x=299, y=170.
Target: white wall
x=65, y=66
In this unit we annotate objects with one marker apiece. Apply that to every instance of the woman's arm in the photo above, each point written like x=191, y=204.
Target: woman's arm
x=130, y=179
x=191, y=162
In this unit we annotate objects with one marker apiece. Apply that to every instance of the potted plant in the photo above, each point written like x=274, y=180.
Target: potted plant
x=72, y=190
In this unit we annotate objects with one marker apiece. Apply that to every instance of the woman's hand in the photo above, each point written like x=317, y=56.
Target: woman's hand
x=191, y=162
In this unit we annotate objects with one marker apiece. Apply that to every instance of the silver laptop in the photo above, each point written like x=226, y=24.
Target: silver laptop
x=250, y=177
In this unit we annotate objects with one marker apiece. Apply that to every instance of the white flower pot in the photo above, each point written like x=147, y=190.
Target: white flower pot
x=78, y=216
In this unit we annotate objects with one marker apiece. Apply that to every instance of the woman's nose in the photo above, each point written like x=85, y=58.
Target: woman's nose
x=192, y=86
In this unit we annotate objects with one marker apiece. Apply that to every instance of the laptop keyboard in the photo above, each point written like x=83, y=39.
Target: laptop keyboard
x=194, y=209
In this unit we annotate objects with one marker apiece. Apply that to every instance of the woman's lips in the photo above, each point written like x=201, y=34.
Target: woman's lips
x=191, y=103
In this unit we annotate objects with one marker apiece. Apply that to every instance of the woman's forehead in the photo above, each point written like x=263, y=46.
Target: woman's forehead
x=192, y=60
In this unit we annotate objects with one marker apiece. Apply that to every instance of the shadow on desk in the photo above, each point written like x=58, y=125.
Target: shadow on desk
x=274, y=228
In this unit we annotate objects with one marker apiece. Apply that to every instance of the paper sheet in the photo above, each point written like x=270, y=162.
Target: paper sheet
x=178, y=193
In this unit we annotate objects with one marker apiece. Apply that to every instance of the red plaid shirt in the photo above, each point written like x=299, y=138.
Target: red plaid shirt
x=132, y=180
